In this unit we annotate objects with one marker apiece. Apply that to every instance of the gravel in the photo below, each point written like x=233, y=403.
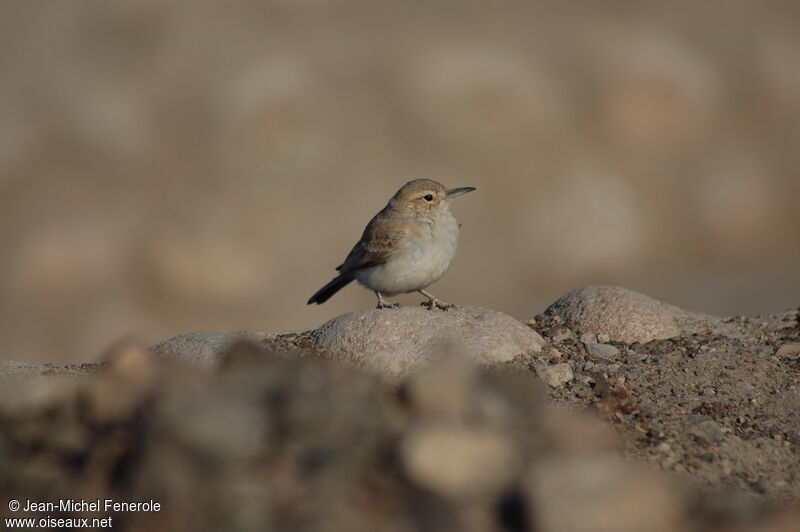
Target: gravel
x=721, y=407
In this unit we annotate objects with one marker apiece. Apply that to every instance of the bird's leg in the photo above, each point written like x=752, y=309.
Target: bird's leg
x=432, y=302
x=382, y=303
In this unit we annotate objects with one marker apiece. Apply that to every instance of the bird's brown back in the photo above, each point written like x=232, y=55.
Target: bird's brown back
x=382, y=236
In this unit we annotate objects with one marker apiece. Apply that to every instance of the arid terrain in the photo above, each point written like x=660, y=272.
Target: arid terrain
x=177, y=177
x=293, y=431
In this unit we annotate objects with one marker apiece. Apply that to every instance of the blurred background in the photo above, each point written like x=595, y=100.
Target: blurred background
x=169, y=166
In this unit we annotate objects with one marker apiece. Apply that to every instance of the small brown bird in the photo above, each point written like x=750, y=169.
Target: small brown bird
x=406, y=247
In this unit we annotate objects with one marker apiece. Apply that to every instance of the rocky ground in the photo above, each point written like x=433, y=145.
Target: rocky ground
x=609, y=412
x=723, y=407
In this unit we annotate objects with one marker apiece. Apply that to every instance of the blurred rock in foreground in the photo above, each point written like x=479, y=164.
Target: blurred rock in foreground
x=275, y=443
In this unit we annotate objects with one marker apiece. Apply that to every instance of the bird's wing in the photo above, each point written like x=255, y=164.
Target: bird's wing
x=379, y=241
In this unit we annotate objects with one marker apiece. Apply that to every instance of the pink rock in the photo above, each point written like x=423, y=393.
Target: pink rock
x=627, y=316
x=394, y=342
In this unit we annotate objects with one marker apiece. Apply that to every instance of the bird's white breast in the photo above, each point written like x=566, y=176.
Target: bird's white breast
x=419, y=262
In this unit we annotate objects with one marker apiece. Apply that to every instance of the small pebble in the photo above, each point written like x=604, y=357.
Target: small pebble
x=605, y=351
x=556, y=375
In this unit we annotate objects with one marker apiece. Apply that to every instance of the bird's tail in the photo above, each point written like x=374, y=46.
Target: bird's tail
x=325, y=293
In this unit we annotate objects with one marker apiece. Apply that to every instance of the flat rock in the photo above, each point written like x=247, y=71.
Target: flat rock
x=604, y=351
x=627, y=316
x=14, y=370
x=394, y=342
x=203, y=348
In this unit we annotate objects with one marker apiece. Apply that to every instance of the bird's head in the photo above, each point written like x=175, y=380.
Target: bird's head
x=426, y=197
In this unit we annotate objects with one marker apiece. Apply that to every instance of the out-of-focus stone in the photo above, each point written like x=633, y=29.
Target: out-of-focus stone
x=203, y=348
x=627, y=316
x=393, y=342
x=459, y=461
x=555, y=375
x=133, y=361
x=20, y=399
x=600, y=493
x=226, y=425
x=444, y=390
x=128, y=375
x=576, y=432
x=109, y=398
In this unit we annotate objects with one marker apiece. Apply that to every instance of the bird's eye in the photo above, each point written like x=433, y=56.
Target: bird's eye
x=428, y=197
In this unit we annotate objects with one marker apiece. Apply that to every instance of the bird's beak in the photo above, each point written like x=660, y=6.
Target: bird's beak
x=453, y=192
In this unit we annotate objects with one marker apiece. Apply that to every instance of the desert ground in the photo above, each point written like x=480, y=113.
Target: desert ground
x=610, y=411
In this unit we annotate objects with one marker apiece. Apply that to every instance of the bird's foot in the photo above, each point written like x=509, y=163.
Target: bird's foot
x=433, y=303
x=385, y=304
